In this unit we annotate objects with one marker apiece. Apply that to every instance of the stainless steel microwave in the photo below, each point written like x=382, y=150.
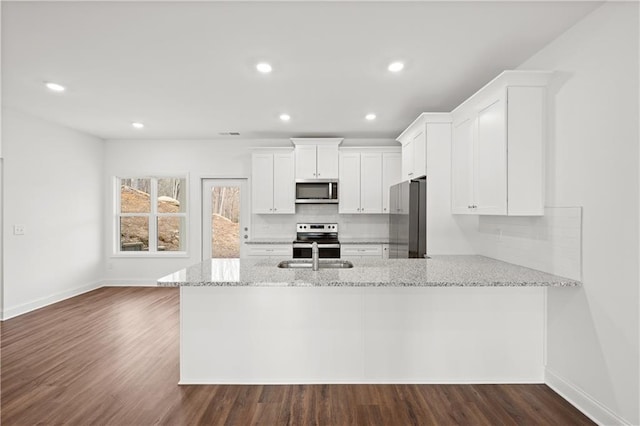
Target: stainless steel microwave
x=316, y=191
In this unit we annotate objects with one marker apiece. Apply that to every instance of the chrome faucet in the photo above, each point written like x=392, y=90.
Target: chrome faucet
x=315, y=254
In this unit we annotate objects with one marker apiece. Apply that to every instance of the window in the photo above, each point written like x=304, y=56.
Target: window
x=151, y=214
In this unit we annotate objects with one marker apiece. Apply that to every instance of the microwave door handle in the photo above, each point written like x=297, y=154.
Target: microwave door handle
x=330, y=190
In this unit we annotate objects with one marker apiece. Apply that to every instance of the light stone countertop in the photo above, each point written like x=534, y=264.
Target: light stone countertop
x=372, y=240
x=439, y=271
x=347, y=240
x=274, y=240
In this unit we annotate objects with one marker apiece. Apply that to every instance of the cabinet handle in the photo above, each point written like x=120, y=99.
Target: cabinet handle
x=270, y=210
x=385, y=209
x=362, y=209
x=318, y=174
x=275, y=210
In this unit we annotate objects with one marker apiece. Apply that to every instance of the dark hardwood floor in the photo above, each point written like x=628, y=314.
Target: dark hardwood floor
x=111, y=357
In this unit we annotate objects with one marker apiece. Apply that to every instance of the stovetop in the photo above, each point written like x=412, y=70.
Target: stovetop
x=319, y=232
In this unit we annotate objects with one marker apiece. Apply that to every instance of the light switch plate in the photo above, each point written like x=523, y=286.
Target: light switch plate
x=18, y=230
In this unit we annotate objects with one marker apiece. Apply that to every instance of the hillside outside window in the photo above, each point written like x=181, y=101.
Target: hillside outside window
x=151, y=215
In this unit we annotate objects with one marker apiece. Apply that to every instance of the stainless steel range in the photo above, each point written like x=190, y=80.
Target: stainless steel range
x=325, y=234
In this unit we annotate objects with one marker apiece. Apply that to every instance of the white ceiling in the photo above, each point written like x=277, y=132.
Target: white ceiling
x=187, y=70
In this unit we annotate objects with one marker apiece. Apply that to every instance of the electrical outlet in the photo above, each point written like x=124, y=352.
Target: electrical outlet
x=18, y=229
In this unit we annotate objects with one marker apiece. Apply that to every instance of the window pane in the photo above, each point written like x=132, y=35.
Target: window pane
x=134, y=195
x=134, y=233
x=172, y=195
x=170, y=231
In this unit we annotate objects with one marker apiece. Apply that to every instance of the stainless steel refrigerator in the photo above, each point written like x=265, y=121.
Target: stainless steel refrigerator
x=408, y=219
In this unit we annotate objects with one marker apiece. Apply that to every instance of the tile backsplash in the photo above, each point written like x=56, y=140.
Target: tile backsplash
x=550, y=243
x=349, y=225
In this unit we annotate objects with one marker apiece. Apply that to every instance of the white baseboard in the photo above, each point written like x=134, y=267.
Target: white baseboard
x=129, y=283
x=45, y=301
x=584, y=402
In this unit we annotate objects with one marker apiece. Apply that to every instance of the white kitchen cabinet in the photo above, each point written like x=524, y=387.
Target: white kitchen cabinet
x=269, y=251
x=360, y=182
x=462, y=165
x=497, y=152
x=414, y=142
x=272, y=182
x=349, y=183
x=316, y=158
x=361, y=251
x=391, y=174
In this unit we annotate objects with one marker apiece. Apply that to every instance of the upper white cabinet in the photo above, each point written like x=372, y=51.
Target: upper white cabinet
x=391, y=174
x=360, y=182
x=414, y=142
x=497, y=152
x=316, y=158
x=365, y=177
x=273, y=182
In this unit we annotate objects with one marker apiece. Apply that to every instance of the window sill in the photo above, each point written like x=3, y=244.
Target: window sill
x=150, y=255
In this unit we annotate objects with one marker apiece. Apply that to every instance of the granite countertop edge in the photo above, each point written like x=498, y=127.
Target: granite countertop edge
x=268, y=241
x=439, y=271
x=368, y=284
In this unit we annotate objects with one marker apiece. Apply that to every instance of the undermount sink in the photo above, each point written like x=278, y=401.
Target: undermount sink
x=323, y=264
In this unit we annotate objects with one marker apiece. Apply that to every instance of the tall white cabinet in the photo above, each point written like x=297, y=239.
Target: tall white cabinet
x=497, y=152
x=273, y=182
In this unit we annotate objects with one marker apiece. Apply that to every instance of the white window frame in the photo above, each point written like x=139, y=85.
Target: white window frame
x=152, y=218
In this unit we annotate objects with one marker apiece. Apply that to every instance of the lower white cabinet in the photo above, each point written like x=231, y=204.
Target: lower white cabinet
x=360, y=251
x=268, y=251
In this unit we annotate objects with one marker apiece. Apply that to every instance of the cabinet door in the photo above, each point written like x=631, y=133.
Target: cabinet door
x=491, y=159
x=262, y=183
x=360, y=251
x=305, y=161
x=371, y=182
x=462, y=166
x=419, y=154
x=391, y=174
x=407, y=160
x=349, y=185
x=284, y=191
x=327, y=162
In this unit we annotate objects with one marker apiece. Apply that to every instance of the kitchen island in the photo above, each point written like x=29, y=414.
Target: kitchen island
x=449, y=319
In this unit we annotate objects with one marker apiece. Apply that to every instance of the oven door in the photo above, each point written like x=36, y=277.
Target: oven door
x=325, y=251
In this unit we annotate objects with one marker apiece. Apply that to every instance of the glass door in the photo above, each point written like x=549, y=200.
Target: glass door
x=224, y=218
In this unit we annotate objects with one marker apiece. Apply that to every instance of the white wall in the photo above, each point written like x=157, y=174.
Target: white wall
x=229, y=158
x=53, y=180
x=592, y=161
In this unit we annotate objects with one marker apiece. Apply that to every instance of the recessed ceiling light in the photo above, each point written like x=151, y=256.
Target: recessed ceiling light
x=264, y=67
x=137, y=125
x=370, y=117
x=285, y=117
x=54, y=86
x=395, y=66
